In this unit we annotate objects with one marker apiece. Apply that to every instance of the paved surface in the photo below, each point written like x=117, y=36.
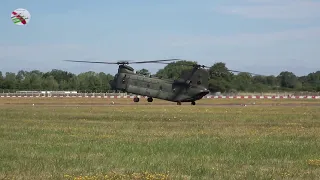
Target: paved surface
x=158, y=104
x=102, y=95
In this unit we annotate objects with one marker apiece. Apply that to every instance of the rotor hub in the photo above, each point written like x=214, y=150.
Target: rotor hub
x=123, y=62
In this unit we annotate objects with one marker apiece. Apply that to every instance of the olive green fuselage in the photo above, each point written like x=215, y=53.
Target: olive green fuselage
x=172, y=90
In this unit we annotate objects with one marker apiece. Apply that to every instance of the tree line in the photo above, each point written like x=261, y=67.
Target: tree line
x=221, y=80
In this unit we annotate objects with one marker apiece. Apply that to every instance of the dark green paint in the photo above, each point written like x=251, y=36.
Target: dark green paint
x=190, y=87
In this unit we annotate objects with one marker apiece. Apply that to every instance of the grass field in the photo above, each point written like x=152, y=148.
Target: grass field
x=158, y=142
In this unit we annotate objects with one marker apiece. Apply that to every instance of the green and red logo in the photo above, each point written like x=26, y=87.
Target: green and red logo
x=20, y=16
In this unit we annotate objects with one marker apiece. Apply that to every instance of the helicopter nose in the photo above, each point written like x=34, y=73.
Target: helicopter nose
x=202, y=93
x=205, y=90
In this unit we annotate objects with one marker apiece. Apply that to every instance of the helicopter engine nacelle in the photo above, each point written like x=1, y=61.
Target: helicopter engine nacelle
x=181, y=82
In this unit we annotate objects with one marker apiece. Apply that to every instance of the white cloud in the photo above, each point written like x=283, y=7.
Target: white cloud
x=272, y=9
x=250, y=39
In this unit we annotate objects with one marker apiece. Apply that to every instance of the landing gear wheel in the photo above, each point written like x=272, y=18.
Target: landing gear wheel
x=136, y=99
x=150, y=99
x=193, y=103
x=178, y=103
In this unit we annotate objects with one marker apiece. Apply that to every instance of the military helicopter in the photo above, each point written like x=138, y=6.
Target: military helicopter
x=190, y=87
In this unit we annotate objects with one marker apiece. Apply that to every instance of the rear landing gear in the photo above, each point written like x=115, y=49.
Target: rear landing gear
x=136, y=99
x=192, y=103
x=150, y=99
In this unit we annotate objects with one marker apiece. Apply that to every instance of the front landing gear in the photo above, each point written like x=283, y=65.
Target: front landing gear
x=136, y=99
x=150, y=99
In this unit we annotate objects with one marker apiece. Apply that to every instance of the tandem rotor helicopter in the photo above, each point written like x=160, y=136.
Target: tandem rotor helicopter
x=190, y=87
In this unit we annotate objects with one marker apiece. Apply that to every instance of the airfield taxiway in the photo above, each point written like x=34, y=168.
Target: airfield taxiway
x=96, y=102
x=159, y=104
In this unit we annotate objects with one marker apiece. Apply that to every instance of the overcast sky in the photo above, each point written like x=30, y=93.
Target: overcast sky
x=260, y=36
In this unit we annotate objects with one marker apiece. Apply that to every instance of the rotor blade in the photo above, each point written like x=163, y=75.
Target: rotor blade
x=124, y=61
x=245, y=72
x=153, y=61
x=204, y=66
x=162, y=63
x=97, y=62
x=191, y=65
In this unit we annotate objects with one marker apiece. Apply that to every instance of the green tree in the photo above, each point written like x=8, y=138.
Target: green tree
x=243, y=82
x=1, y=80
x=220, y=78
x=288, y=80
x=104, y=81
x=311, y=82
x=174, y=70
x=35, y=81
x=10, y=82
x=19, y=78
x=89, y=81
x=50, y=84
x=74, y=83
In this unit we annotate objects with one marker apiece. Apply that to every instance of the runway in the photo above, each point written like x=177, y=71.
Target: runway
x=160, y=104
